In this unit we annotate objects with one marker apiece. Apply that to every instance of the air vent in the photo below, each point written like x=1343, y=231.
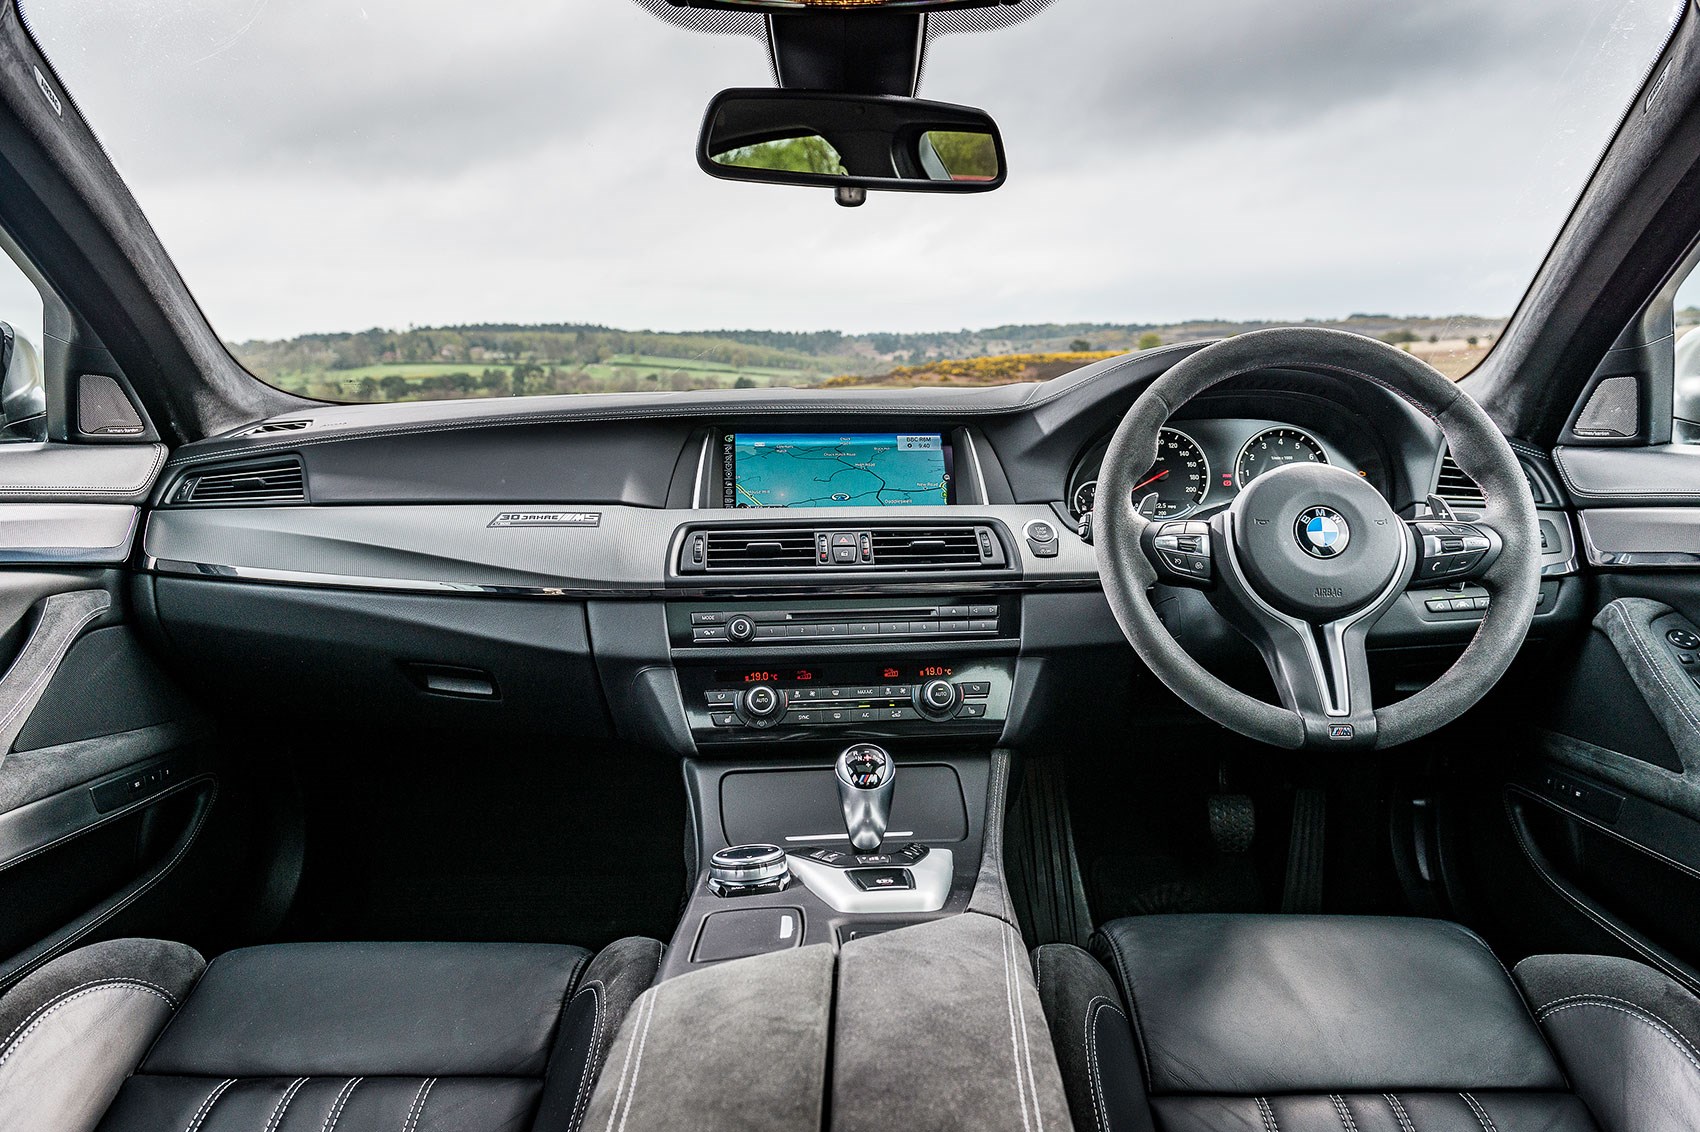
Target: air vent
x=889, y=547
x=274, y=426
x=1457, y=488
x=755, y=551
x=927, y=548
x=277, y=481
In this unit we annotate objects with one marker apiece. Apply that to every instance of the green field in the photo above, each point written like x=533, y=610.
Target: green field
x=719, y=372
x=619, y=372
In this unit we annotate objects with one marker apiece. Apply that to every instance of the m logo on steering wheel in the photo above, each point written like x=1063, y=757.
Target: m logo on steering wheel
x=1322, y=532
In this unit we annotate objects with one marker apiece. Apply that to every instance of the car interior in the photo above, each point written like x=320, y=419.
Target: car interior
x=1253, y=731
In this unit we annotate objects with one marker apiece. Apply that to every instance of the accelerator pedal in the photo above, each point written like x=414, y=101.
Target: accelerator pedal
x=1303, y=890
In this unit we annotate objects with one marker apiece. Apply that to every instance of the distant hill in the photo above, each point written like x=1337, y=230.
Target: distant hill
x=499, y=359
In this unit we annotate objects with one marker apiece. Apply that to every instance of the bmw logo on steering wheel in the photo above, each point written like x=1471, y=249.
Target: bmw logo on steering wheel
x=1322, y=532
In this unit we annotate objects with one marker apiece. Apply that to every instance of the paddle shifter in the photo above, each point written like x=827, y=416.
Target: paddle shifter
x=866, y=775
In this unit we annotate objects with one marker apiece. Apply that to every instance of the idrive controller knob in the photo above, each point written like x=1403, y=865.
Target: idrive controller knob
x=738, y=870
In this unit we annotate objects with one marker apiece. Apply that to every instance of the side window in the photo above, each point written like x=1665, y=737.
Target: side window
x=23, y=394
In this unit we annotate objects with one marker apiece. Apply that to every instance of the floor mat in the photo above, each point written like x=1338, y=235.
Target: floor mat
x=1128, y=885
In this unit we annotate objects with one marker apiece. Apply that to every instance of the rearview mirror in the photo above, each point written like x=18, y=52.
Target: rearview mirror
x=850, y=142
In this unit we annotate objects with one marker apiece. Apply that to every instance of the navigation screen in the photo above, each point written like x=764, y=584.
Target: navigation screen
x=857, y=469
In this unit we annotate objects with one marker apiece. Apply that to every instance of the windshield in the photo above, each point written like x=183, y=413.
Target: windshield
x=412, y=199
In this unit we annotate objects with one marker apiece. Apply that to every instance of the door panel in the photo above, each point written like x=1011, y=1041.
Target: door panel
x=1606, y=810
x=105, y=775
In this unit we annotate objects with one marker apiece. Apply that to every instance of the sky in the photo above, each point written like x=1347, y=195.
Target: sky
x=327, y=165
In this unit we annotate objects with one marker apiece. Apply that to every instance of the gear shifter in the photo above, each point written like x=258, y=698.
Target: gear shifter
x=866, y=775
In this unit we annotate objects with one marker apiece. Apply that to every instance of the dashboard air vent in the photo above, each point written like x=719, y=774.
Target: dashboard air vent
x=886, y=547
x=759, y=550
x=1457, y=488
x=924, y=548
x=274, y=426
x=275, y=481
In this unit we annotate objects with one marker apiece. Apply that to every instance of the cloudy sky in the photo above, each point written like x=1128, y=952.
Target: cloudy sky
x=323, y=165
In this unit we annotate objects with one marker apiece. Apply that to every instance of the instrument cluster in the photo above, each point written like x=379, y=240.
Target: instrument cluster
x=1203, y=464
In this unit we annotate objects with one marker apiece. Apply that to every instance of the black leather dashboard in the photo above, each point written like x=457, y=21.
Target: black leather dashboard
x=592, y=503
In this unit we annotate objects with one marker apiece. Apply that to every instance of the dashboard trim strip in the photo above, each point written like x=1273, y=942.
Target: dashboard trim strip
x=219, y=572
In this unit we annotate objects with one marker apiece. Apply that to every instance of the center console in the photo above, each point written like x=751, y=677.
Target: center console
x=817, y=851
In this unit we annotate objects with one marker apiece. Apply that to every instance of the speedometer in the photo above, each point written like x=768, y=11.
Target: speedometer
x=1273, y=448
x=1178, y=481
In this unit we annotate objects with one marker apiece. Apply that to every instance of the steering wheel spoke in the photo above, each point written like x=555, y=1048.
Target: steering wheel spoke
x=1320, y=666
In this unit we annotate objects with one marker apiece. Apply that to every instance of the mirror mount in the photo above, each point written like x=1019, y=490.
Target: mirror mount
x=854, y=52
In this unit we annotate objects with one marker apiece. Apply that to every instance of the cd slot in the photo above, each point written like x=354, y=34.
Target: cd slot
x=765, y=626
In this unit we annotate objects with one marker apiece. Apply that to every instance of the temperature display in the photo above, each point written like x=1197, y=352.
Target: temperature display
x=766, y=675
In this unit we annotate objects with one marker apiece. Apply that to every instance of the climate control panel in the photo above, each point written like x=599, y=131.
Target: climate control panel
x=852, y=698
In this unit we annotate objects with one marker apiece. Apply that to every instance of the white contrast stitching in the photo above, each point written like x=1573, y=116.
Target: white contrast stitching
x=16, y=1039
x=1270, y=1124
x=335, y=1114
x=644, y=1003
x=282, y=1105
x=1398, y=1108
x=1345, y=1113
x=206, y=1105
x=1602, y=998
x=1100, y=1109
x=594, y=988
x=32, y=490
x=637, y=1063
x=1013, y=935
x=1634, y=632
x=29, y=699
x=1014, y=1039
x=418, y=1105
x=1481, y=1113
x=1659, y=1025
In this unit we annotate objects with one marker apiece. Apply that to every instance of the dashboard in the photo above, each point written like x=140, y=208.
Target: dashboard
x=709, y=570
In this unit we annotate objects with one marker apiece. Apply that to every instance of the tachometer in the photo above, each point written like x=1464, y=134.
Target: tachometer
x=1274, y=447
x=1180, y=479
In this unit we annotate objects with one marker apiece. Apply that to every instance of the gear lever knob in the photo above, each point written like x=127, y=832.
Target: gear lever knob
x=866, y=775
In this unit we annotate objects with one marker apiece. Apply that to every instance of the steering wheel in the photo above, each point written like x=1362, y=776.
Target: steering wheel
x=1309, y=556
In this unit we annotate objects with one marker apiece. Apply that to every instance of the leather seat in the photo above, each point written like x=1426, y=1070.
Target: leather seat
x=143, y=1036
x=1204, y=1023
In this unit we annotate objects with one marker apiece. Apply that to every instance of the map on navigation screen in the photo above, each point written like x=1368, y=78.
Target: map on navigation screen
x=835, y=470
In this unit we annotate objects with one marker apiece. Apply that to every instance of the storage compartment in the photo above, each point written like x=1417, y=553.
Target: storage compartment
x=743, y=932
x=517, y=665
x=800, y=806
x=1648, y=893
